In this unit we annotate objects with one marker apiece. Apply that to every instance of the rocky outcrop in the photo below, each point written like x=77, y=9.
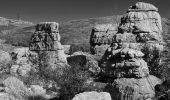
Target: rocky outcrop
x=46, y=42
x=93, y=96
x=101, y=38
x=125, y=63
x=135, y=53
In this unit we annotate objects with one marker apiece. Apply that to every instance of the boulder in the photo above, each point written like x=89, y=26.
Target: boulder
x=86, y=61
x=46, y=37
x=134, y=89
x=93, y=96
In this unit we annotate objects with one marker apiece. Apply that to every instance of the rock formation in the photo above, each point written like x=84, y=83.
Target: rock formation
x=135, y=47
x=46, y=37
x=101, y=38
x=46, y=42
x=93, y=96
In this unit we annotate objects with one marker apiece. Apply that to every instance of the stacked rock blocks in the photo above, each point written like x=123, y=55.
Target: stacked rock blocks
x=137, y=43
x=46, y=42
x=101, y=38
x=46, y=37
x=135, y=47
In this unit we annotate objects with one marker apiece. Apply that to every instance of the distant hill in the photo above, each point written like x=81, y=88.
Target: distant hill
x=18, y=33
x=72, y=32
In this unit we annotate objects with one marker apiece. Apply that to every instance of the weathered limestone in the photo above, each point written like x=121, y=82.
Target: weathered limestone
x=93, y=96
x=101, y=38
x=135, y=51
x=133, y=34
x=46, y=42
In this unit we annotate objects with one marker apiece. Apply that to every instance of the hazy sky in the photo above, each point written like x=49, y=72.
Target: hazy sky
x=64, y=10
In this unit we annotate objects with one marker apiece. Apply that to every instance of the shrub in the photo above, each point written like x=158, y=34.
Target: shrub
x=71, y=82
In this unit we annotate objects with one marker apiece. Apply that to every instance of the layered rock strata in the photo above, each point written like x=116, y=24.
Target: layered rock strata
x=101, y=38
x=46, y=41
x=136, y=47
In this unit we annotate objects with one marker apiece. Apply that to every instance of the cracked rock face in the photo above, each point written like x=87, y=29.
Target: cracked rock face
x=134, y=52
x=125, y=63
x=101, y=38
x=46, y=37
x=139, y=32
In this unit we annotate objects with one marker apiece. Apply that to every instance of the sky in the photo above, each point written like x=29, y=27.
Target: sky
x=65, y=10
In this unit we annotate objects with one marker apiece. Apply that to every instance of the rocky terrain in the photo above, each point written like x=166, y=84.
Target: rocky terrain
x=111, y=58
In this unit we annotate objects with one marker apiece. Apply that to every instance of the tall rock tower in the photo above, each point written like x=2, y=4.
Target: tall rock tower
x=135, y=48
x=46, y=42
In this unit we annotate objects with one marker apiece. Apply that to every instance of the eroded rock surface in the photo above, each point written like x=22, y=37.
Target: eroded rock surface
x=135, y=53
x=134, y=39
x=101, y=38
x=46, y=37
x=46, y=42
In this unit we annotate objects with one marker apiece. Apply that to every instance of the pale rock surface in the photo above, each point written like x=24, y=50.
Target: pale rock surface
x=16, y=88
x=37, y=90
x=93, y=96
x=4, y=57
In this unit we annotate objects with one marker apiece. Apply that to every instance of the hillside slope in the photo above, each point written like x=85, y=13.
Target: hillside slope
x=72, y=32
